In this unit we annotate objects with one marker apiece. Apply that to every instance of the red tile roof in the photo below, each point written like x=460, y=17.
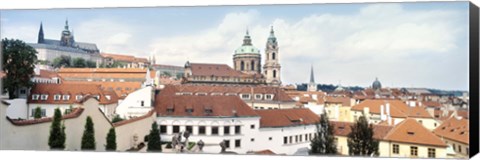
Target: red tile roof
x=120, y=88
x=279, y=94
x=432, y=104
x=264, y=152
x=455, y=129
x=410, y=131
x=47, y=74
x=463, y=113
x=204, y=69
x=71, y=89
x=287, y=117
x=397, y=107
x=75, y=113
x=344, y=128
x=202, y=106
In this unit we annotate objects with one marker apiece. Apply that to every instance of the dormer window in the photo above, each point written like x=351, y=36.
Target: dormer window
x=35, y=97
x=231, y=94
x=44, y=97
x=201, y=94
x=66, y=97
x=411, y=133
x=245, y=96
x=258, y=96
x=216, y=94
x=56, y=97
x=97, y=97
x=78, y=97
x=108, y=97
x=269, y=96
x=189, y=110
x=208, y=111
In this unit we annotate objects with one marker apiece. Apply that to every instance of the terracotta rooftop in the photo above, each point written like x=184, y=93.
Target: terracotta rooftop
x=120, y=88
x=264, y=152
x=432, y=104
x=102, y=70
x=455, y=129
x=70, y=89
x=47, y=74
x=123, y=58
x=410, y=131
x=397, y=107
x=344, y=128
x=278, y=93
x=463, y=113
x=218, y=70
x=201, y=106
x=75, y=113
x=286, y=117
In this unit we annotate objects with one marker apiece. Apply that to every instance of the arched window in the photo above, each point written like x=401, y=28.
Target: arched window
x=274, y=74
x=273, y=55
x=242, y=66
x=252, y=65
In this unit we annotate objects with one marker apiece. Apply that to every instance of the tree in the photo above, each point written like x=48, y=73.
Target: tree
x=154, y=144
x=88, y=138
x=79, y=63
x=324, y=140
x=62, y=61
x=18, y=65
x=91, y=64
x=360, y=140
x=117, y=118
x=38, y=113
x=57, y=137
x=111, y=140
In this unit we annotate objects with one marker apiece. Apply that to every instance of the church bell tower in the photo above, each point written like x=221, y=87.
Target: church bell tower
x=272, y=67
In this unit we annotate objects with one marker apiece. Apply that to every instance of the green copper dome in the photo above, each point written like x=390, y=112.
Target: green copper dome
x=247, y=47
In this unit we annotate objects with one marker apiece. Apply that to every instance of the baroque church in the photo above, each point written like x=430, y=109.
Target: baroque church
x=247, y=66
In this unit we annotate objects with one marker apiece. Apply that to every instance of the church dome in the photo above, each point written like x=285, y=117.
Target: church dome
x=376, y=84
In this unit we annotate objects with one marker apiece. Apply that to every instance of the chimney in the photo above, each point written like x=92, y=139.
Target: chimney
x=388, y=109
x=382, y=116
x=389, y=119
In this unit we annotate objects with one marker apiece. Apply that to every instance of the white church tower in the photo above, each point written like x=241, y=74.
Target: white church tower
x=272, y=66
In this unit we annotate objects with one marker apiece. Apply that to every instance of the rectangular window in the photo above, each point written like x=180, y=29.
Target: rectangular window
x=142, y=103
x=252, y=126
x=396, y=149
x=285, y=140
x=189, y=129
x=237, y=143
x=300, y=138
x=296, y=138
x=108, y=97
x=290, y=139
x=252, y=139
x=43, y=112
x=227, y=143
x=226, y=130
x=214, y=130
x=44, y=97
x=258, y=96
x=413, y=151
x=78, y=97
x=306, y=137
x=56, y=97
x=176, y=129
x=468, y=151
x=459, y=148
x=23, y=91
x=35, y=97
x=269, y=96
x=237, y=130
x=245, y=96
x=201, y=130
x=163, y=129
x=66, y=97
x=431, y=152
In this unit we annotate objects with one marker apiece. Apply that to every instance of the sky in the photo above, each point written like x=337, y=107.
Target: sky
x=403, y=44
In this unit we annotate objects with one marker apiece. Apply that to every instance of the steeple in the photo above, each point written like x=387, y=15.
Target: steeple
x=247, y=41
x=272, y=39
x=312, y=78
x=312, y=86
x=40, y=34
x=66, y=24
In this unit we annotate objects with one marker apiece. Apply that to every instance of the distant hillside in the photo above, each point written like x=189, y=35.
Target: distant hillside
x=327, y=87
x=331, y=88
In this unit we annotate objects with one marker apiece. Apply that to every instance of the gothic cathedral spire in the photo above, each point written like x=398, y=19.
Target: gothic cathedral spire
x=272, y=66
x=312, y=86
x=41, y=38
